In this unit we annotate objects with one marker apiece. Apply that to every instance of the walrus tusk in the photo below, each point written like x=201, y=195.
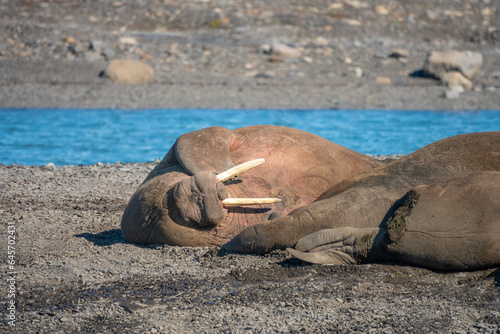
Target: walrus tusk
x=224, y=176
x=248, y=201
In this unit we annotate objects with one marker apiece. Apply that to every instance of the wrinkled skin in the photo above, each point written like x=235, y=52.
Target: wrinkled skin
x=454, y=224
x=180, y=202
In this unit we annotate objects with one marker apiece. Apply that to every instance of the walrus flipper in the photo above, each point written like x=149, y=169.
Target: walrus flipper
x=343, y=245
x=205, y=150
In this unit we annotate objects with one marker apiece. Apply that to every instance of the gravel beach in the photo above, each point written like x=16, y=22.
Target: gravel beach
x=73, y=271
x=76, y=273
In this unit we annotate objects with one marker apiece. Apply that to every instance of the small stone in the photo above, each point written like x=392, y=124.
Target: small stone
x=356, y=4
x=129, y=71
x=70, y=40
x=352, y=22
x=286, y=51
x=336, y=6
x=320, y=41
x=96, y=45
x=265, y=49
x=128, y=40
x=154, y=330
x=307, y=59
x=354, y=72
x=50, y=167
x=451, y=94
x=383, y=80
x=455, y=79
x=347, y=60
x=381, y=10
x=100, y=164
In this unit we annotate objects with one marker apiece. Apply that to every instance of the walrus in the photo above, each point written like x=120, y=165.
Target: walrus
x=191, y=199
x=451, y=187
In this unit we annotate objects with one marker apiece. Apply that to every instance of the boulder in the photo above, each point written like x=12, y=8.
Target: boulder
x=129, y=71
x=455, y=80
x=465, y=62
x=282, y=50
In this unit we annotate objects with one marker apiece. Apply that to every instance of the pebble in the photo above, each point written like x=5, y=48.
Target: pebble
x=381, y=10
x=451, y=94
x=283, y=50
x=320, y=41
x=50, y=167
x=307, y=59
x=354, y=72
x=383, y=80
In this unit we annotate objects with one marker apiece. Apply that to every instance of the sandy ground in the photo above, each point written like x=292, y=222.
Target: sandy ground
x=74, y=272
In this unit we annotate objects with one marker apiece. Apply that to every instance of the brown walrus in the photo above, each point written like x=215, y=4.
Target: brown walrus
x=453, y=224
x=184, y=201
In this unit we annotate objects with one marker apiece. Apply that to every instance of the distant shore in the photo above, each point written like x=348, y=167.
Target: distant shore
x=346, y=55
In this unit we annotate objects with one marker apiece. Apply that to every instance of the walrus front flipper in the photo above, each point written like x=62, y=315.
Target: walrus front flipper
x=451, y=225
x=343, y=245
x=205, y=150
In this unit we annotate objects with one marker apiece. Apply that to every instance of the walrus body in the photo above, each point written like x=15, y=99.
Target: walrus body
x=179, y=203
x=456, y=214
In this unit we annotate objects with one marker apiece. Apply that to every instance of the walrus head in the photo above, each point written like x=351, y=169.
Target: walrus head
x=190, y=212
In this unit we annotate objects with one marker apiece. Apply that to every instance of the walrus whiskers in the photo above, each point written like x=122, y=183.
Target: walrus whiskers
x=224, y=176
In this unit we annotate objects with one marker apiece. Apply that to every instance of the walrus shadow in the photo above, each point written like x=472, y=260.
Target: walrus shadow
x=112, y=237
x=106, y=238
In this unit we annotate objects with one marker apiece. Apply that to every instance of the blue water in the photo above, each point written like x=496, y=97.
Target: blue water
x=69, y=137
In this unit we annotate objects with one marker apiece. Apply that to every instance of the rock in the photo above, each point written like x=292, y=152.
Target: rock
x=265, y=49
x=286, y=51
x=356, y=4
x=354, y=72
x=381, y=10
x=465, y=62
x=320, y=41
x=49, y=167
x=352, y=22
x=455, y=79
x=451, y=94
x=129, y=71
x=96, y=45
x=307, y=59
x=384, y=80
x=70, y=40
x=336, y=6
x=128, y=40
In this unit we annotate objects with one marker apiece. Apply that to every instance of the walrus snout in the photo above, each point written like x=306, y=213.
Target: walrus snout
x=199, y=200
